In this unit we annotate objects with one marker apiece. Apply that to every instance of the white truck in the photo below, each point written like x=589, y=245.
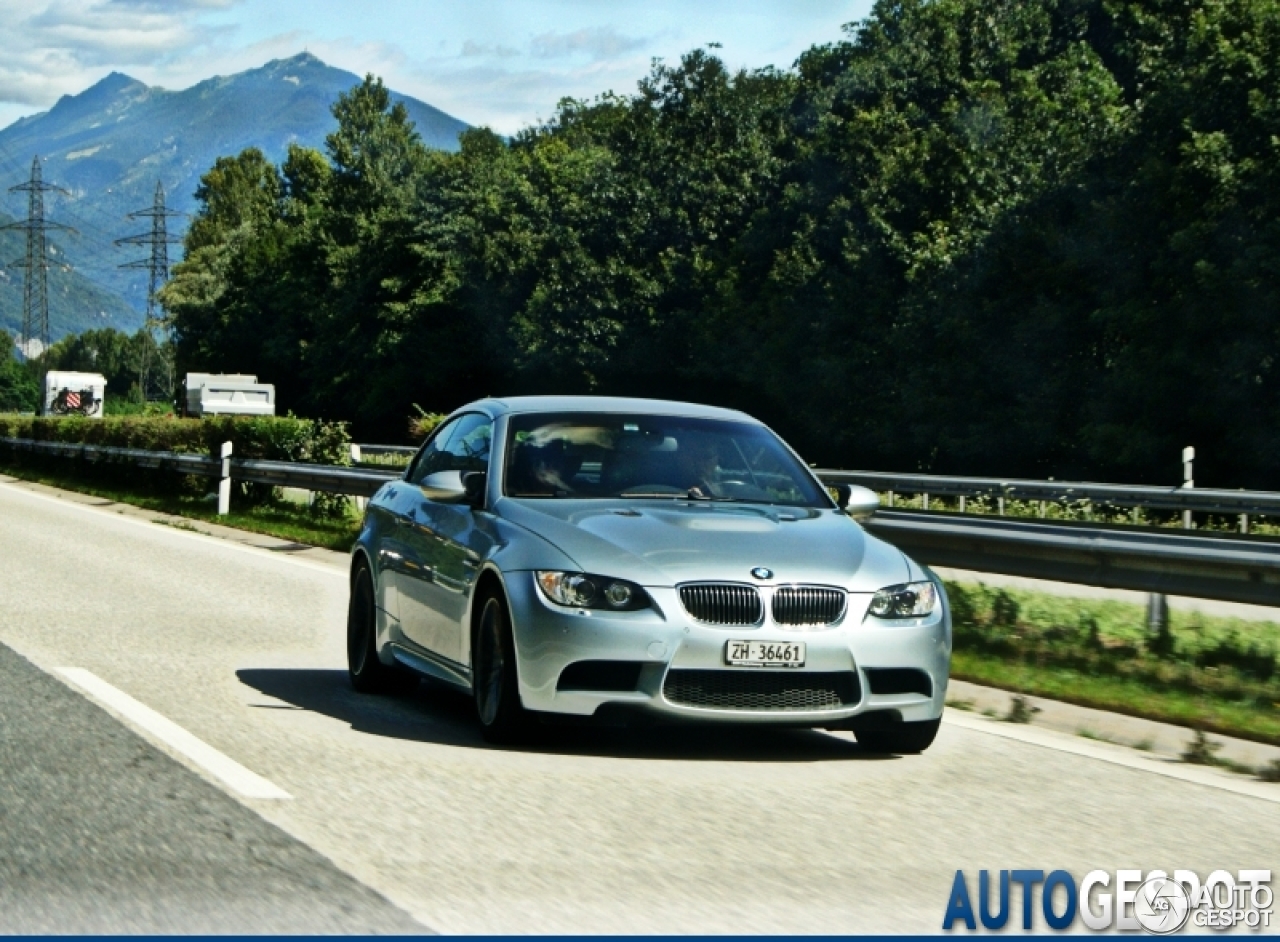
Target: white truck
x=228, y=394
x=67, y=393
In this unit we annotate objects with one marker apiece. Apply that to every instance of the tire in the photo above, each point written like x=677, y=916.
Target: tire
x=495, y=686
x=367, y=673
x=904, y=739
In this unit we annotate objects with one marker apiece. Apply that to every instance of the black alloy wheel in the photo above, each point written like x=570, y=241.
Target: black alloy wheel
x=368, y=674
x=497, y=693
x=903, y=739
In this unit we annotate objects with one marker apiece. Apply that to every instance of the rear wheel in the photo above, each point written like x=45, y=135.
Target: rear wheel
x=368, y=674
x=503, y=718
x=903, y=738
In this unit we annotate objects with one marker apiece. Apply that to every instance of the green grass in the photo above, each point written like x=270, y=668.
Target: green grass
x=394, y=462
x=1211, y=673
x=1120, y=695
x=282, y=519
x=1086, y=733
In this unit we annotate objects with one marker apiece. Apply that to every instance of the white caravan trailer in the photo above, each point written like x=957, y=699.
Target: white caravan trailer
x=73, y=394
x=228, y=394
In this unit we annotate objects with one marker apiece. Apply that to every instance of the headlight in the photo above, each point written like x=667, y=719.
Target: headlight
x=912, y=600
x=583, y=590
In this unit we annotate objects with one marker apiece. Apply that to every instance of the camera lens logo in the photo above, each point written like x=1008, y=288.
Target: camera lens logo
x=1161, y=906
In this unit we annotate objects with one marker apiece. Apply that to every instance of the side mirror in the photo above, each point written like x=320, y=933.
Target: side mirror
x=858, y=502
x=444, y=486
x=474, y=483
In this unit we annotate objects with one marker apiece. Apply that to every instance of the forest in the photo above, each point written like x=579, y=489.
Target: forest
x=1015, y=237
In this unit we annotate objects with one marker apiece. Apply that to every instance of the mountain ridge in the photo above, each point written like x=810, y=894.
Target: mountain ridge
x=109, y=144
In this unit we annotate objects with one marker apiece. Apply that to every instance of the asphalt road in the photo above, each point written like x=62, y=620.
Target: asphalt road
x=100, y=832
x=398, y=803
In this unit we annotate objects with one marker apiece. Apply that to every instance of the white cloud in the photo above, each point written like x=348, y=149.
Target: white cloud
x=61, y=47
x=599, y=42
x=472, y=49
x=171, y=5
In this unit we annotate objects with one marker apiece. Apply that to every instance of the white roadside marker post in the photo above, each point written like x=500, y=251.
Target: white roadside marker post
x=1157, y=604
x=361, y=502
x=1188, y=481
x=224, y=481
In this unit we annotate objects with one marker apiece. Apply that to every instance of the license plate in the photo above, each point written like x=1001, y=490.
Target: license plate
x=765, y=653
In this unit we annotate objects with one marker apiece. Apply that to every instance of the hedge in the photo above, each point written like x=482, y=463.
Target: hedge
x=272, y=438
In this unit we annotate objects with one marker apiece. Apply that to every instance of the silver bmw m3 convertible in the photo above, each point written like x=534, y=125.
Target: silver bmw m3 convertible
x=637, y=560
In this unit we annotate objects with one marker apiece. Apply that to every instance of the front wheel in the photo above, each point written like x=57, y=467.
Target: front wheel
x=367, y=673
x=904, y=738
x=497, y=691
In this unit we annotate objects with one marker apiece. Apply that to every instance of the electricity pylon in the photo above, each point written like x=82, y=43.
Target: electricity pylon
x=35, y=282
x=158, y=265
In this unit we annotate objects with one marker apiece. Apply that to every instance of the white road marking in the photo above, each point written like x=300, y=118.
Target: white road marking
x=1117, y=755
x=206, y=538
x=222, y=767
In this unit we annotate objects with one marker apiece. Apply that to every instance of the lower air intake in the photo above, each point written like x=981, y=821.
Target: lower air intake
x=600, y=675
x=762, y=690
x=887, y=680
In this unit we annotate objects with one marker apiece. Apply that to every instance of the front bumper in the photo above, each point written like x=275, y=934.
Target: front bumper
x=548, y=638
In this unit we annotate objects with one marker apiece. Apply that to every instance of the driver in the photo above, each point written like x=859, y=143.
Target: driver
x=699, y=458
x=552, y=470
x=547, y=467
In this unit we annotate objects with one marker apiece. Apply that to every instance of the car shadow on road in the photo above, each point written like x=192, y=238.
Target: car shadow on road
x=437, y=713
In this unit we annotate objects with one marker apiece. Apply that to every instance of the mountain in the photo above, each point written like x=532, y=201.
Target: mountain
x=109, y=145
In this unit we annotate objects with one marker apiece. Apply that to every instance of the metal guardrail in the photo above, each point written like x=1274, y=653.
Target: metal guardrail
x=356, y=482
x=1226, y=567
x=1198, y=500
x=164, y=460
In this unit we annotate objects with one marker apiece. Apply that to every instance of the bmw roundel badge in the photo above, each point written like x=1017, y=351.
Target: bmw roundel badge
x=761, y=573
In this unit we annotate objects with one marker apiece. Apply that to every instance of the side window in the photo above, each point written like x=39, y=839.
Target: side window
x=468, y=448
x=462, y=445
x=427, y=460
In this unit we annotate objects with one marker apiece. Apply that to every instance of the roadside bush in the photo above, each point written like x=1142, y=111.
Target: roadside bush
x=273, y=438
x=423, y=423
x=270, y=438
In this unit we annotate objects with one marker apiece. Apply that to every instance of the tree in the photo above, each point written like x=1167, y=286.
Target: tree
x=19, y=391
x=237, y=192
x=1033, y=238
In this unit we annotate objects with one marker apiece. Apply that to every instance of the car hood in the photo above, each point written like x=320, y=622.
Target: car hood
x=665, y=543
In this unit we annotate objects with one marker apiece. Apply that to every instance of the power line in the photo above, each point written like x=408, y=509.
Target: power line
x=158, y=266
x=35, y=281
x=90, y=221
x=8, y=161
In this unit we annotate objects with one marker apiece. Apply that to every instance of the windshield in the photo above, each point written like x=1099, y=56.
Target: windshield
x=654, y=457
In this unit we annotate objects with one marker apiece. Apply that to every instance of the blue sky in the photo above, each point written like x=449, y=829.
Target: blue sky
x=504, y=63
